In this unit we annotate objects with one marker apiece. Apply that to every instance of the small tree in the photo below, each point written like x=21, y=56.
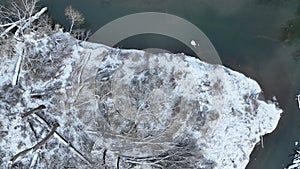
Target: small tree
x=74, y=16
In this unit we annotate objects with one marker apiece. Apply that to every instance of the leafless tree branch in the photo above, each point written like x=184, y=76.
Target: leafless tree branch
x=18, y=14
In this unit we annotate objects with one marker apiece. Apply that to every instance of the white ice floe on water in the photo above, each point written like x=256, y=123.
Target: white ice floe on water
x=126, y=108
x=193, y=43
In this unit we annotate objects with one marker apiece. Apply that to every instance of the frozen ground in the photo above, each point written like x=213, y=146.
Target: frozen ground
x=124, y=109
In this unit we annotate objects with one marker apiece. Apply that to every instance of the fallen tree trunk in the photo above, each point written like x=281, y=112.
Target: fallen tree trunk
x=22, y=23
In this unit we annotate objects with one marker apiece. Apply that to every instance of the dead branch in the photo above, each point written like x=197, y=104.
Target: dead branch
x=33, y=130
x=64, y=141
x=17, y=70
x=42, y=142
x=38, y=145
x=30, y=20
x=21, y=25
x=19, y=15
x=34, y=161
x=33, y=111
x=118, y=163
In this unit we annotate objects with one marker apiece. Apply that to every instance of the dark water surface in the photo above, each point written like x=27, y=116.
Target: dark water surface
x=246, y=34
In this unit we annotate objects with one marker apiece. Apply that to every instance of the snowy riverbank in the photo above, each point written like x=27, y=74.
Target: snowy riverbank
x=125, y=108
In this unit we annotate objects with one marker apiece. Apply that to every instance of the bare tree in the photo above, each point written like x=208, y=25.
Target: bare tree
x=74, y=16
x=18, y=16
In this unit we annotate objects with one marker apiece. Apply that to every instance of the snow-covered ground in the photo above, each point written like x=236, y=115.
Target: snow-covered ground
x=125, y=108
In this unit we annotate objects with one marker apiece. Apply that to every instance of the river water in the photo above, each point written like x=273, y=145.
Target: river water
x=246, y=35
